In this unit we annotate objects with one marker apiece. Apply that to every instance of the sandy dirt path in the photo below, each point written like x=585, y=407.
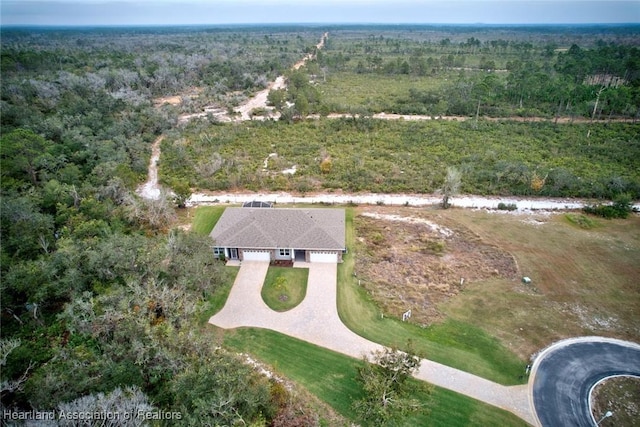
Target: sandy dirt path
x=258, y=101
x=151, y=189
x=523, y=204
x=422, y=117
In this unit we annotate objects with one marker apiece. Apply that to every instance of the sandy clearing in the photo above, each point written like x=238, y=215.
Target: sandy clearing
x=412, y=220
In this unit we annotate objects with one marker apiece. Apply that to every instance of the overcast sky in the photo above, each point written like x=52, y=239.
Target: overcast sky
x=162, y=12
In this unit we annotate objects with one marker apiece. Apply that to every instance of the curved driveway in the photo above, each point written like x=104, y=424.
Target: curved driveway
x=563, y=376
x=316, y=320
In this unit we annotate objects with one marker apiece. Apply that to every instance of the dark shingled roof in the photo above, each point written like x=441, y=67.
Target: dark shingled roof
x=257, y=204
x=319, y=229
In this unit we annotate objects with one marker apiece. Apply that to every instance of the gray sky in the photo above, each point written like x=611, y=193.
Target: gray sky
x=161, y=12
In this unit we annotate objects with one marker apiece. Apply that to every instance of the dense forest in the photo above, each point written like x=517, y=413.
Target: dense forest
x=101, y=303
x=103, y=299
x=518, y=74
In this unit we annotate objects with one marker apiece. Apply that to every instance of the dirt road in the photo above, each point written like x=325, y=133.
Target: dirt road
x=524, y=205
x=151, y=189
x=258, y=101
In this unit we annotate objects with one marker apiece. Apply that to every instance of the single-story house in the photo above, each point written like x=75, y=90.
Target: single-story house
x=280, y=234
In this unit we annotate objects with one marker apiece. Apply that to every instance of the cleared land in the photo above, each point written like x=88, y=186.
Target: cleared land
x=583, y=279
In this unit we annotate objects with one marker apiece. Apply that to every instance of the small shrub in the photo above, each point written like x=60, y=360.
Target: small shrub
x=377, y=238
x=620, y=208
x=326, y=165
x=507, y=207
x=581, y=221
x=281, y=283
x=434, y=247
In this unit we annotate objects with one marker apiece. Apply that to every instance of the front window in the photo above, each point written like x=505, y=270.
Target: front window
x=285, y=252
x=218, y=252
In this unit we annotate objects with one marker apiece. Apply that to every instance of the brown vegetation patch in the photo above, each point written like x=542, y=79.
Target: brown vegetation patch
x=415, y=259
x=620, y=395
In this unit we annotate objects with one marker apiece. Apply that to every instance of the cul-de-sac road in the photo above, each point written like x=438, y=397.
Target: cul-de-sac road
x=564, y=375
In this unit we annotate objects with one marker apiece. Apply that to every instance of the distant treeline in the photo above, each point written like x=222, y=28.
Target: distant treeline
x=525, y=76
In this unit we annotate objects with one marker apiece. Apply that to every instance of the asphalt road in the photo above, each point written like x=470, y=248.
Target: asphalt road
x=565, y=374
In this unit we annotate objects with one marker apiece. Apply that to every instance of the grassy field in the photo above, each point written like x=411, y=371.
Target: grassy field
x=460, y=344
x=344, y=91
x=584, y=281
x=332, y=377
x=284, y=288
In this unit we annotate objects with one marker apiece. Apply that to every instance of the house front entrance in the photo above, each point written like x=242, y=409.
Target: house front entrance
x=300, y=255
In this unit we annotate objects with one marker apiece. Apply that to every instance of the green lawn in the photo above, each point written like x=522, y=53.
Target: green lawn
x=205, y=218
x=454, y=343
x=284, y=288
x=332, y=378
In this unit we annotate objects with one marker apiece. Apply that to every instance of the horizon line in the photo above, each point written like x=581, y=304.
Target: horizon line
x=316, y=24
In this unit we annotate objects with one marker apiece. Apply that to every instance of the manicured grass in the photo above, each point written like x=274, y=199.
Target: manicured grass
x=332, y=378
x=458, y=344
x=205, y=218
x=284, y=288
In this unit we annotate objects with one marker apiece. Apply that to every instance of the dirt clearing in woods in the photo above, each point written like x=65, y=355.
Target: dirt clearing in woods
x=171, y=100
x=410, y=260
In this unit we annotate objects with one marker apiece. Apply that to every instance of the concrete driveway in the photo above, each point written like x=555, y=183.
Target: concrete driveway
x=316, y=321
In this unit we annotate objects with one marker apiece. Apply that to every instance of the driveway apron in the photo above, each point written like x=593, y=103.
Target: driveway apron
x=316, y=321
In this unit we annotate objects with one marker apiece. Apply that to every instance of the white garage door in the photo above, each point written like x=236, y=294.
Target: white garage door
x=256, y=256
x=323, y=257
